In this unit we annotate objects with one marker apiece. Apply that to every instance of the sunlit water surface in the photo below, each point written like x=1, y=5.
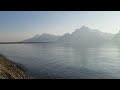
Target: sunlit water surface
x=55, y=61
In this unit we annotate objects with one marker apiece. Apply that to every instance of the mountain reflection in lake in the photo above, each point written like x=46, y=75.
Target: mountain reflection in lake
x=49, y=60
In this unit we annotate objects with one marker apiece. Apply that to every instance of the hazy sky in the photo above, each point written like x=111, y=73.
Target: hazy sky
x=20, y=25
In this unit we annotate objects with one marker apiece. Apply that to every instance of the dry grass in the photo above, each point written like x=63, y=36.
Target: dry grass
x=9, y=70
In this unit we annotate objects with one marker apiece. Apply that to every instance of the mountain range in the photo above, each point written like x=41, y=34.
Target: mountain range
x=43, y=38
x=83, y=35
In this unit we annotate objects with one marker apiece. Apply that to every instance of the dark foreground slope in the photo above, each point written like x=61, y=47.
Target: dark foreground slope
x=10, y=70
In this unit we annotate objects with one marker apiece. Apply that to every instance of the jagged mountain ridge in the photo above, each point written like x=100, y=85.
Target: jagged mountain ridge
x=85, y=35
x=82, y=35
x=43, y=38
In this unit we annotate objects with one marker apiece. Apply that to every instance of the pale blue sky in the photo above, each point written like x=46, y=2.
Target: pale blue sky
x=20, y=25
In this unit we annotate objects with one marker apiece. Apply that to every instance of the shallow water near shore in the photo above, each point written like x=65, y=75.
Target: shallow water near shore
x=55, y=61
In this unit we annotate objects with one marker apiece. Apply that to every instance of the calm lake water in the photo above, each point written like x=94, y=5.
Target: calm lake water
x=55, y=61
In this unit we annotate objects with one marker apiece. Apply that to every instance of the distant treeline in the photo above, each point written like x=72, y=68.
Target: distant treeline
x=21, y=42
x=9, y=42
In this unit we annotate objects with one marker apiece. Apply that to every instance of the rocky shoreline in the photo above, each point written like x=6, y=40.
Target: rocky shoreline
x=10, y=70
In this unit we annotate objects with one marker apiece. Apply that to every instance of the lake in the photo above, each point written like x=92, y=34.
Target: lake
x=59, y=61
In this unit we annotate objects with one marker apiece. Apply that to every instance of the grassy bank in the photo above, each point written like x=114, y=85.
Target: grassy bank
x=10, y=70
